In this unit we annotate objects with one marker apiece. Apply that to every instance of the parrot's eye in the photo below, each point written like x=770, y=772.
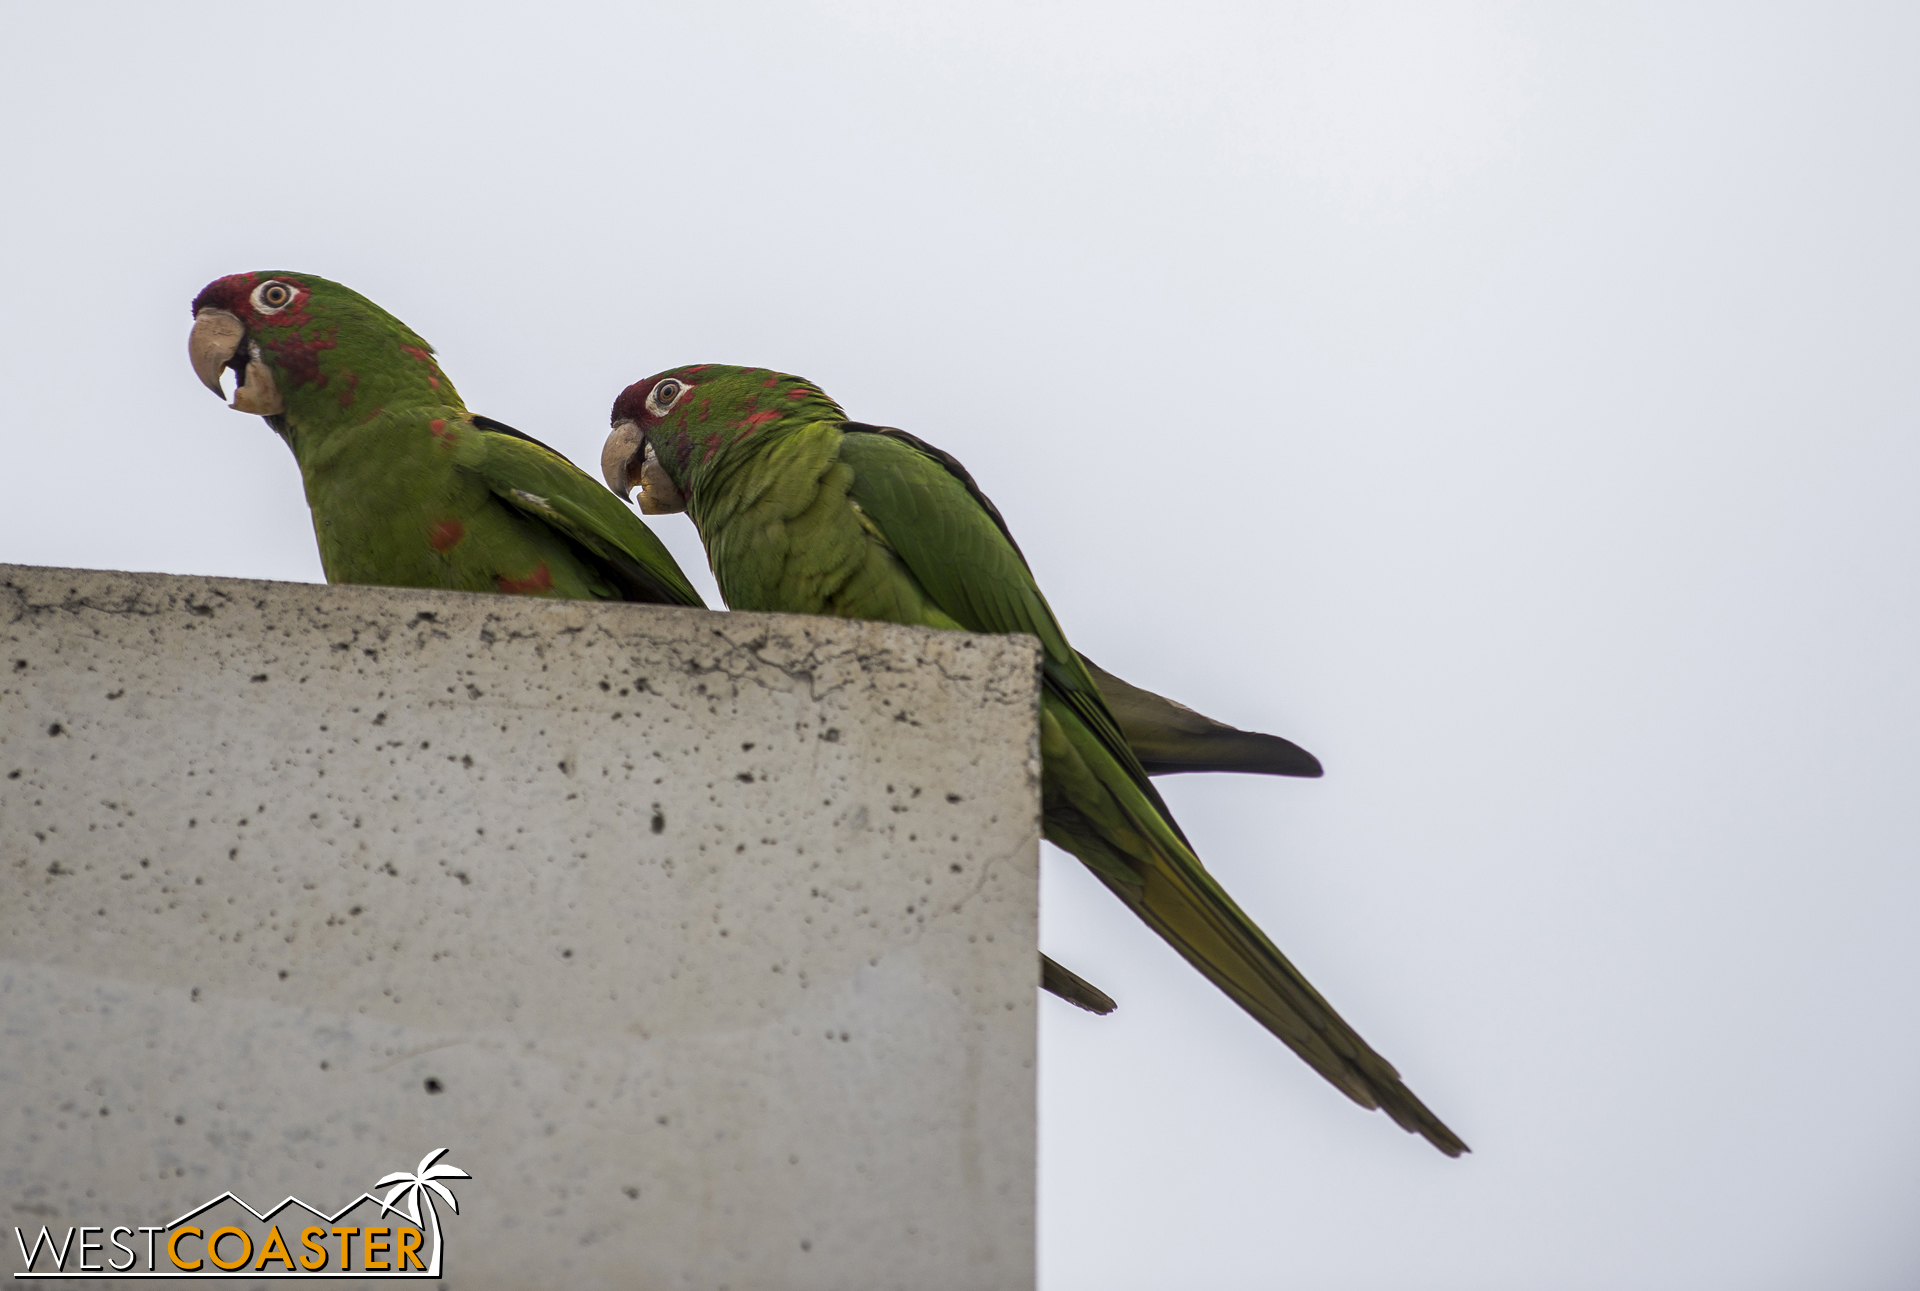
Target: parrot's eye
x=272, y=297
x=664, y=396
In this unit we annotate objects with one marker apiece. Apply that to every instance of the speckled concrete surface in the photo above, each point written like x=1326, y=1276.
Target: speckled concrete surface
x=704, y=942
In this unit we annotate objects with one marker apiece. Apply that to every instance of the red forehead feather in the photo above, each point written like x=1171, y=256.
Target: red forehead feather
x=234, y=293
x=628, y=406
x=229, y=293
x=632, y=403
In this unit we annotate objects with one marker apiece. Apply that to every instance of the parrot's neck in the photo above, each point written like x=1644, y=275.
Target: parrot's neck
x=354, y=393
x=383, y=432
x=347, y=379
x=376, y=485
x=763, y=472
x=709, y=439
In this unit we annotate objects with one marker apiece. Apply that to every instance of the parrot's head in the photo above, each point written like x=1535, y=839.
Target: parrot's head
x=298, y=343
x=669, y=429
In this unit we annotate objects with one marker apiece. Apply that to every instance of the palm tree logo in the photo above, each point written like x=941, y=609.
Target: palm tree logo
x=414, y=1184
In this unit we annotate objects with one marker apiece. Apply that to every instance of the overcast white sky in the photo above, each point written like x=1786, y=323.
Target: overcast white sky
x=1514, y=404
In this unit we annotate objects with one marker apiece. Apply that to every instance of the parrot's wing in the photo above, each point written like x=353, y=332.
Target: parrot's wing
x=501, y=428
x=951, y=465
x=541, y=483
x=1100, y=804
x=1170, y=737
x=1167, y=737
x=954, y=542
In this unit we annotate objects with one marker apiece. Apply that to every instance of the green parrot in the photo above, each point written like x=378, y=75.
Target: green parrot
x=407, y=488
x=804, y=511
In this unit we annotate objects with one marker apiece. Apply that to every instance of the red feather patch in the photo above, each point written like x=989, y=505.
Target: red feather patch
x=541, y=580
x=300, y=357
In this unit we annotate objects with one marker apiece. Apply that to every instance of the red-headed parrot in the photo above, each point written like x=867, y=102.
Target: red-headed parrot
x=407, y=488
x=804, y=511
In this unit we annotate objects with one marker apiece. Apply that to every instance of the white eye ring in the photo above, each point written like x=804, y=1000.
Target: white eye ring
x=272, y=296
x=661, y=398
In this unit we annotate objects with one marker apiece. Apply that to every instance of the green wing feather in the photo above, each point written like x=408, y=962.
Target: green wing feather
x=957, y=546
x=540, y=483
x=1167, y=737
x=1099, y=804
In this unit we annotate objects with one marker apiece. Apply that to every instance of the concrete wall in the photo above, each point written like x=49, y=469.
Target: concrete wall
x=705, y=942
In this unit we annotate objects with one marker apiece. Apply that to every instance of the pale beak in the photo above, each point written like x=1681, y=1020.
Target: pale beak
x=214, y=345
x=627, y=459
x=621, y=450
x=215, y=339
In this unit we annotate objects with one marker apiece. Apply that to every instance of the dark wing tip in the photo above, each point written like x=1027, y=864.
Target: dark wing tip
x=1073, y=988
x=501, y=428
x=1244, y=752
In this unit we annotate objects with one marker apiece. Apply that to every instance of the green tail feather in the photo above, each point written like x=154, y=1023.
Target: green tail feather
x=822, y=516
x=1095, y=810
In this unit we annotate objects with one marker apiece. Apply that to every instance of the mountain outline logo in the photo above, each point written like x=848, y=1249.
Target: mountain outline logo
x=238, y=1249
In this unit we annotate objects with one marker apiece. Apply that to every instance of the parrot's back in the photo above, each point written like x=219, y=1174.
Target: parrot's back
x=784, y=535
x=833, y=518
x=433, y=497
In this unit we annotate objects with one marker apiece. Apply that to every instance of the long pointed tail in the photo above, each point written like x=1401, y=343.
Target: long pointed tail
x=1094, y=810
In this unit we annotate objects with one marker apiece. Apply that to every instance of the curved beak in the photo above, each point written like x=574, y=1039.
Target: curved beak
x=627, y=459
x=214, y=345
x=214, y=341
x=619, y=455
